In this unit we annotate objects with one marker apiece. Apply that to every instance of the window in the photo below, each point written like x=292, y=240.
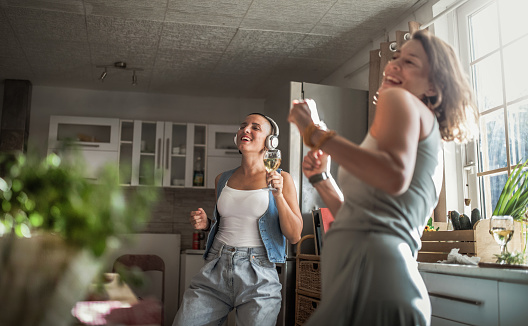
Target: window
x=493, y=41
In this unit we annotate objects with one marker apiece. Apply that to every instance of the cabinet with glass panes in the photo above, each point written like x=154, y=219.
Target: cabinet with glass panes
x=156, y=153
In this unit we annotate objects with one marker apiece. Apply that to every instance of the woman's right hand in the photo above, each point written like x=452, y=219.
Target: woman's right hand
x=315, y=162
x=199, y=219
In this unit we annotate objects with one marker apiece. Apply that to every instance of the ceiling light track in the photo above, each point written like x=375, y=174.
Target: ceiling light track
x=119, y=65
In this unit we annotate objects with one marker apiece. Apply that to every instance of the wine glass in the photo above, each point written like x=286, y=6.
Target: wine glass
x=272, y=161
x=501, y=228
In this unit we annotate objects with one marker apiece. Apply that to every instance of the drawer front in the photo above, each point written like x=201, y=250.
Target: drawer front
x=437, y=321
x=462, y=299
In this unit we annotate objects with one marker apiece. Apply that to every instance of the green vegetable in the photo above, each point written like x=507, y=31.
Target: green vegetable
x=514, y=196
x=475, y=216
x=455, y=220
x=465, y=222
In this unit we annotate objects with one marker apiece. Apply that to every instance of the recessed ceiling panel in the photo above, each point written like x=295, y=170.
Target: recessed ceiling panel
x=30, y=25
x=227, y=13
x=72, y=6
x=144, y=33
x=287, y=16
x=269, y=43
x=153, y=10
x=196, y=37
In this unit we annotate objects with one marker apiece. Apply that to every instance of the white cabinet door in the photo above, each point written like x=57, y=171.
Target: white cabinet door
x=94, y=139
x=220, y=140
x=160, y=154
x=219, y=164
x=513, y=309
x=463, y=299
x=85, y=132
x=174, y=160
x=147, y=153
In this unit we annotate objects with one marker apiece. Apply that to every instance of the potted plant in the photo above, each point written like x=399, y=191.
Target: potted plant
x=56, y=229
x=513, y=201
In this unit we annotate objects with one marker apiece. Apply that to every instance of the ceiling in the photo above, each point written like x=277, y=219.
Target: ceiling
x=235, y=48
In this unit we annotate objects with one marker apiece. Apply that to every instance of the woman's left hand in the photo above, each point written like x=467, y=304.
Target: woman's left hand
x=276, y=181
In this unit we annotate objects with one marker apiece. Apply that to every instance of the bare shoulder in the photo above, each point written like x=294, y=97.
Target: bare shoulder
x=397, y=105
x=397, y=98
x=218, y=178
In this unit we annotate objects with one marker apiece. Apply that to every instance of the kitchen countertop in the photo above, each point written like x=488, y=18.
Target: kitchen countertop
x=497, y=274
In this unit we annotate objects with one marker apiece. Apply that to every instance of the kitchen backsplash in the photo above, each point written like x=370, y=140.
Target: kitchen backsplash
x=171, y=214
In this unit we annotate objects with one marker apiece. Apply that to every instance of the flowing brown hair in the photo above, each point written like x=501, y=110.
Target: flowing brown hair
x=454, y=104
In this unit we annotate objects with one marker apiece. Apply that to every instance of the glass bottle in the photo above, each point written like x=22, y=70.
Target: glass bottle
x=198, y=177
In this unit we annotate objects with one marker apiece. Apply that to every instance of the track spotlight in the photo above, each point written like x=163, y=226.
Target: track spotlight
x=103, y=76
x=119, y=65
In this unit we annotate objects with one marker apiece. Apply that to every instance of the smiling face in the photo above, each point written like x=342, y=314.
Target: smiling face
x=409, y=69
x=251, y=135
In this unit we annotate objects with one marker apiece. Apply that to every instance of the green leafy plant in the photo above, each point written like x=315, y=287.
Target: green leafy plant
x=513, y=201
x=52, y=195
x=515, y=258
x=514, y=196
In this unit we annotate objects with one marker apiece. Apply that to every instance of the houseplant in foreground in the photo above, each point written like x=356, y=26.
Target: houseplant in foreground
x=56, y=229
x=513, y=201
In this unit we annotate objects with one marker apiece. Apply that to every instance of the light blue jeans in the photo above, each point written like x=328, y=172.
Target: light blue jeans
x=233, y=278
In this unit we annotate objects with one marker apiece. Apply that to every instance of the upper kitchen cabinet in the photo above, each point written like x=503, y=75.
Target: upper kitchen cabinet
x=97, y=139
x=221, y=140
x=157, y=153
x=222, y=153
x=85, y=132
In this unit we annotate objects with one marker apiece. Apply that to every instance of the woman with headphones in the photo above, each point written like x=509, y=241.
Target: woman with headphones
x=249, y=229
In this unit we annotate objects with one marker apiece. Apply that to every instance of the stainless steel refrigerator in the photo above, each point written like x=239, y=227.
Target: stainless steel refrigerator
x=342, y=109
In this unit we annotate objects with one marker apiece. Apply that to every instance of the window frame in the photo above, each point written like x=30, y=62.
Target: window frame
x=469, y=153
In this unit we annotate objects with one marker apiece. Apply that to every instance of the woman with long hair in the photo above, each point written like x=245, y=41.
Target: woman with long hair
x=390, y=183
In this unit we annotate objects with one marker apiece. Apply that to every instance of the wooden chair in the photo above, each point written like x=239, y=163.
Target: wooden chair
x=146, y=263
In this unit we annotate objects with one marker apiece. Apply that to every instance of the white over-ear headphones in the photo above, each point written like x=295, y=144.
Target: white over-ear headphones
x=272, y=141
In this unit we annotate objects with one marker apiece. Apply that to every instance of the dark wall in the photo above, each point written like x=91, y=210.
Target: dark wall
x=16, y=110
x=172, y=213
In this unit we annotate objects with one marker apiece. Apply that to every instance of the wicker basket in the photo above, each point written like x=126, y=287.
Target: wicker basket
x=309, y=276
x=304, y=308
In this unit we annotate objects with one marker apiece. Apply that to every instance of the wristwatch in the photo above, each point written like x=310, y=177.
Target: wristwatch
x=318, y=177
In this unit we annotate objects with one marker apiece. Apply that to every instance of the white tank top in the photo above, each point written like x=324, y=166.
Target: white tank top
x=240, y=211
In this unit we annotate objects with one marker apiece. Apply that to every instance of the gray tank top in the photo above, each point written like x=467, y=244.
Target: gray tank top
x=369, y=209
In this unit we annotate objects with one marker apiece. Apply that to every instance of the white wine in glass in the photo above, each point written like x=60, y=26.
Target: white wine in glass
x=501, y=228
x=272, y=161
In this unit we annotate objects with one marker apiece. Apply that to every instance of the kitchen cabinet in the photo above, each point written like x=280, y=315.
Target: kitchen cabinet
x=95, y=140
x=465, y=300
x=191, y=261
x=472, y=295
x=160, y=153
x=222, y=153
x=512, y=307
